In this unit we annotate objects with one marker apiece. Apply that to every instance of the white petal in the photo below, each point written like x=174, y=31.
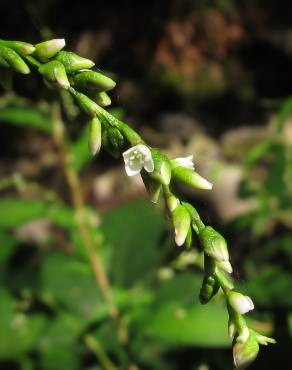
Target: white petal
x=149, y=165
x=132, y=171
x=143, y=149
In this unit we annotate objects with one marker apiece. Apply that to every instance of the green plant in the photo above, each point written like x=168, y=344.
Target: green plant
x=71, y=74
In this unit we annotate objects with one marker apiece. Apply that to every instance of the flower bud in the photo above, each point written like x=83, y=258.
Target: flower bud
x=225, y=266
x=22, y=48
x=214, y=244
x=3, y=63
x=162, y=168
x=91, y=80
x=85, y=103
x=103, y=99
x=131, y=135
x=13, y=60
x=231, y=327
x=47, y=49
x=54, y=72
x=73, y=62
x=189, y=239
x=94, y=140
x=181, y=222
x=172, y=201
x=239, y=302
x=209, y=288
x=191, y=177
x=245, y=353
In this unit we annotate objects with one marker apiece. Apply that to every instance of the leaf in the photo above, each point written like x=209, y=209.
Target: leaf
x=19, y=333
x=79, y=151
x=134, y=233
x=26, y=117
x=177, y=318
x=22, y=211
x=58, y=345
x=203, y=326
x=71, y=283
x=7, y=246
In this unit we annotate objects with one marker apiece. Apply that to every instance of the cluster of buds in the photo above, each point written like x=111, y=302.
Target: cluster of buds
x=68, y=71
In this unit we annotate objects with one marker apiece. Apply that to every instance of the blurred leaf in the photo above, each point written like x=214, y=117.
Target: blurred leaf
x=270, y=287
x=7, y=246
x=284, y=113
x=177, y=318
x=133, y=232
x=275, y=180
x=79, y=151
x=26, y=117
x=58, y=346
x=203, y=326
x=257, y=152
x=22, y=211
x=71, y=283
x=19, y=333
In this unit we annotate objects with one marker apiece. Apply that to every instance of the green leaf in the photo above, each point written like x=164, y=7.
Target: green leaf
x=58, y=345
x=19, y=333
x=26, y=117
x=203, y=326
x=133, y=232
x=22, y=211
x=79, y=152
x=7, y=246
x=71, y=283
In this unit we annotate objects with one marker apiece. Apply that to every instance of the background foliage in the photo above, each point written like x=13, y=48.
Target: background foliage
x=209, y=78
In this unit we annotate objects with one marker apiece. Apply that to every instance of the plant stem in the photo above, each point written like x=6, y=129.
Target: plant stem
x=80, y=212
x=94, y=345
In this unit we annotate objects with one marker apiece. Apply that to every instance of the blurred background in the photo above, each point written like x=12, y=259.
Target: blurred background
x=202, y=77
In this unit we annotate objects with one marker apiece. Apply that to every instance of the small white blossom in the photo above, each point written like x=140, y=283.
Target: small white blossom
x=240, y=303
x=136, y=158
x=186, y=162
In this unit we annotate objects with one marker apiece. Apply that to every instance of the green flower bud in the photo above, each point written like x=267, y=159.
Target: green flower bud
x=197, y=223
x=22, y=48
x=10, y=57
x=172, y=201
x=47, y=49
x=189, y=239
x=162, y=168
x=191, y=177
x=214, y=244
x=209, y=289
x=94, y=140
x=91, y=80
x=181, y=222
x=131, y=135
x=54, y=72
x=153, y=187
x=240, y=303
x=73, y=62
x=3, y=63
x=102, y=99
x=86, y=104
x=245, y=353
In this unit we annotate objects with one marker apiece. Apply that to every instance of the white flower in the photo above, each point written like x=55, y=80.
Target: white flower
x=136, y=158
x=186, y=162
x=240, y=303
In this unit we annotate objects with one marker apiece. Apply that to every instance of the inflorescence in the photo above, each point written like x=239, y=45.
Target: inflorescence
x=68, y=71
